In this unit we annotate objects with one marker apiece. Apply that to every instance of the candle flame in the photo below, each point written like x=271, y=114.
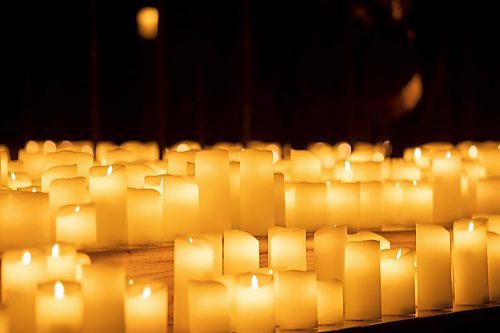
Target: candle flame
x=130, y=282
x=109, y=171
x=59, y=290
x=398, y=255
x=26, y=260
x=55, y=250
x=471, y=226
x=347, y=165
x=378, y=157
x=417, y=153
x=448, y=155
x=13, y=175
x=255, y=282
x=328, y=183
x=77, y=208
x=415, y=183
x=270, y=271
x=473, y=152
x=190, y=240
x=182, y=147
x=146, y=293
x=33, y=190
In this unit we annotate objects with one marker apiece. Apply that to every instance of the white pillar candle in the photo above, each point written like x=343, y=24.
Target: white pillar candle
x=306, y=166
x=212, y=177
x=179, y=161
x=473, y=172
x=193, y=260
x=287, y=248
x=446, y=171
x=362, y=289
x=256, y=191
x=417, y=203
x=83, y=161
x=241, y=252
x=146, y=307
x=329, y=252
x=289, y=204
x=136, y=174
x=254, y=303
x=433, y=267
x=59, y=308
x=487, y=200
x=297, y=300
x=371, y=205
x=61, y=171
x=76, y=224
x=470, y=264
x=344, y=205
x=392, y=204
x=18, y=180
x=494, y=266
x=103, y=289
x=330, y=301
x=279, y=200
x=310, y=206
x=61, y=261
x=108, y=192
x=209, y=307
x=398, y=285
x=144, y=216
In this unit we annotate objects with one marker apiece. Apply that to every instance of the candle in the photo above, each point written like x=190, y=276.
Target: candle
x=362, y=289
x=101, y=151
x=4, y=319
x=470, y=264
x=234, y=185
x=18, y=180
x=22, y=270
x=82, y=260
x=4, y=167
x=330, y=301
x=33, y=163
x=489, y=156
x=368, y=235
x=61, y=262
x=209, y=307
x=329, y=252
x=108, y=192
x=310, y=205
x=212, y=177
x=83, y=161
x=279, y=200
x=241, y=252
x=493, y=248
x=254, y=303
x=103, y=289
x=180, y=207
x=403, y=170
x=446, y=171
x=76, y=224
x=119, y=156
x=155, y=183
x=256, y=191
x=371, y=205
x=368, y=171
x=61, y=171
x=392, y=203
x=146, y=307
x=344, y=205
x=193, y=260
x=180, y=163
x=136, y=174
x=417, y=203
x=306, y=166
x=473, y=172
x=492, y=221
x=59, y=308
x=144, y=216
x=297, y=300
x=343, y=172
x=433, y=267
x=289, y=204
x=487, y=201
x=215, y=240
x=287, y=248
x=397, y=282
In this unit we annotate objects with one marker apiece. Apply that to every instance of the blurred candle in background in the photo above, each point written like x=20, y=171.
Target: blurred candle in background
x=147, y=22
x=146, y=307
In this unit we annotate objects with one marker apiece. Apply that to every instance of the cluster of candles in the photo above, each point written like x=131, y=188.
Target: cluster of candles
x=212, y=202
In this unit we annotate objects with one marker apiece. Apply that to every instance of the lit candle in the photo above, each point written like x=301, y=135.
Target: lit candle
x=489, y=157
x=433, y=267
x=146, y=307
x=103, y=289
x=193, y=260
x=59, y=308
x=417, y=203
x=147, y=22
x=33, y=163
x=344, y=204
x=362, y=289
x=470, y=264
x=256, y=191
x=487, y=201
x=254, y=303
x=144, y=216
x=108, y=192
x=4, y=319
x=330, y=300
x=343, y=172
x=136, y=174
x=310, y=205
x=392, y=203
x=446, y=171
x=397, y=281
x=287, y=248
x=212, y=177
x=61, y=171
x=18, y=180
x=241, y=252
x=368, y=235
x=371, y=195
x=180, y=162
x=473, y=172
x=4, y=167
x=83, y=161
x=76, y=224
x=209, y=307
x=306, y=166
x=493, y=248
x=61, y=262
x=279, y=200
x=329, y=252
x=297, y=300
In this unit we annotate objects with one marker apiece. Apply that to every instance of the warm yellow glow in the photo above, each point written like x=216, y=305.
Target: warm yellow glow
x=77, y=208
x=344, y=150
x=58, y=290
x=398, y=255
x=347, y=165
x=147, y=22
x=417, y=153
x=415, y=183
x=471, y=226
x=378, y=157
x=328, y=183
x=109, y=171
x=49, y=146
x=397, y=185
x=473, y=152
x=328, y=162
x=55, y=250
x=13, y=175
x=190, y=240
x=182, y=147
x=130, y=282
x=270, y=271
x=87, y=149
x=146, y=293
x=32, y=147
x=26, y=260
x=255, y=282
x=33, y=189
x=448, y=155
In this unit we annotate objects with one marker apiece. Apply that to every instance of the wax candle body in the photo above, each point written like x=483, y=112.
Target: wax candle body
x=136, y=174
x=144, y=216
x=392, y=204
x=76, y=224
x=306, y=166
x=330, y=300
x=234, y=169
x=146, y=307
x=487, y=201
x=61, y=171
x=446, y=170
x=241, y=252
x=417, y=203
x=398, y=285
x=287, y=248
x=329, y=252
x=494, y=266
x=83, y=161
x=343, y=205
x=310, y=205
x=209, y=307
x=61, y=261
x=371, y=205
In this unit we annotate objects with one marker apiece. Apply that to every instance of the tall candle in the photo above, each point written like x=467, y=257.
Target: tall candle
x=256, y=191
x=76, y=224
x=83, y=161
x=418, y=204
x=193, y=260
x=362, y=289
x=329, y=252
x=212, y=177
x=136, y=174
x=344, y=205
x=59, y=308
x=18, y=180
x=61, y=171
x=209, y=307
x=306, y=166
x=493, y=247
x=487, y=201
x=398, y=285
x=392, y=203
x=178, y=162
x=470, y=264
x=144, y=216
x=330, y=301
x=146, y=307
x=446, y=170
x=61, y=262
x=241, y=252
x=371, y=205
x=108, y=192
x=310, y=205
x=287, y=248
x=103, y=289
x=433, y=267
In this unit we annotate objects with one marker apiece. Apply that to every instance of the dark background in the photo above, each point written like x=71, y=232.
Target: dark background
x=286, y=71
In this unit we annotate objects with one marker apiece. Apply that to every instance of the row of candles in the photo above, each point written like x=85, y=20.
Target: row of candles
x=72, y=193
x=219, y=286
